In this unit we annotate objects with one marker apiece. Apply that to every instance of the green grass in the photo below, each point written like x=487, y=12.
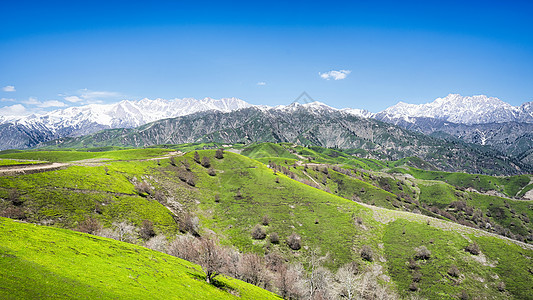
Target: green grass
x=42, y=262
x=73, y=155
x=248, y=190
x=478, y=278
x=13, y=162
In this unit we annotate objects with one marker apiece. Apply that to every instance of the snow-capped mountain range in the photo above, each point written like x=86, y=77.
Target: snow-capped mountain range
x=458, y=109
x=126, y=113
x=29, y=131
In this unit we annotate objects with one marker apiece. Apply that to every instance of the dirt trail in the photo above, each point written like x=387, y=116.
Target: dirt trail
x=31, y=169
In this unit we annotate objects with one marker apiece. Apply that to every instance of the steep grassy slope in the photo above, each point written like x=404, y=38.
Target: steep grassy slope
x=42, y=262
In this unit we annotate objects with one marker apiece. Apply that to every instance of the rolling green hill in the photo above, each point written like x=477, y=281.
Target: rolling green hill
x=231, y=195
x=41, y=262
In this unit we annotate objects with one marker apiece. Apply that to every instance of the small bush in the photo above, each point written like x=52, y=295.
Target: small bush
x=89, y=225
x=417, y=276
x=14, y=197
x=186, y=164
x=422, y=253
x=265, y=220
x=13, y=212
x=454, y=271
x=501, y=286
x=412, y=264
x=413, y=286
x=172, y=161
x=367, y=253
x=196, y=157
x=464, y=295
x=294, y=241
x=206, y=162
x=274, y=238
x=189, y=223
x=211, y=172
x=143, y=188
x=473, y=249
x=217, y=198
x=147, y=230
x=219, y=154
x=258, y=233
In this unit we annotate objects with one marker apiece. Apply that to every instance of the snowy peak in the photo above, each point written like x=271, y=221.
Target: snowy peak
x=479, y=109
x=128, y=113
x=362, y=113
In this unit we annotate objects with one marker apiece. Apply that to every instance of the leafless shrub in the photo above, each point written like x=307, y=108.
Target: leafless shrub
x=413, y=286
x=258, y=233
x=211, y=172
x=157, y=243
x=359, y=220
x=13, y=212
x=464, y=295
x=288, y=281
x=422, y=253
x=196, y=157
x=189, y=223
x=206, y=162
x=501, y=286
x=172, y=160
x=252, y=269
x=147, y=230
x=219, y=154
x=185, y=247
x=14, y=197
x=294, y=241
x=367, y=253
x=217, y=198
x=186, y=164
x=417, y=276
x=89, y=225
x=106, y=170
x=274, y=238
x=143, y=188
x=265, y=220
x=473, y=248
x=273, y=261
x=454, y=271
x=412, y=264
x=125, y=231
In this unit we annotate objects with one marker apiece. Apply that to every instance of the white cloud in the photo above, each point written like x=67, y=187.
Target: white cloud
x=336, y=75
x=32, y=101
x=8, y=88
x=7, y=100
x=85, y=96
x=13, y=110
x=73, y=99
x=51, y=103
x=261, y=83
x=45, y=104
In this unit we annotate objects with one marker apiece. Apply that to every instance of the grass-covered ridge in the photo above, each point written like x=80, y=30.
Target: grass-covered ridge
x=41, y=262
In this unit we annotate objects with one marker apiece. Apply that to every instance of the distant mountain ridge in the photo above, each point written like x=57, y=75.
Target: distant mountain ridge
x=31, y=130
x=468, y=110
x=305, y=124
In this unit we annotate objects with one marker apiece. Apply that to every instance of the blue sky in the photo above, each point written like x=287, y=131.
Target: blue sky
x=55, y=54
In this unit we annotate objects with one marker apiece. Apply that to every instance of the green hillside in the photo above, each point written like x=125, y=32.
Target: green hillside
x=42, y=262
x=232, y=195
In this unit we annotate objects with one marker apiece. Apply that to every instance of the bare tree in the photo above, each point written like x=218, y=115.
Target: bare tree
x=252, y=269
x=288, y=280
x=211, y=257
x=189, y=223
x=125, y=231
x=157, y=243
x=185, y=247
